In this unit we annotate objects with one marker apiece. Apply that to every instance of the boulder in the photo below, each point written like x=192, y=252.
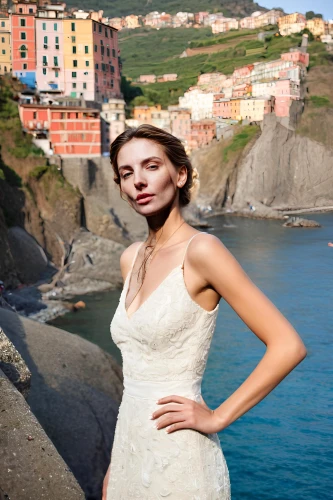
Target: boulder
x=30, y=466
x=299, y=222
x=13, y=366
x=75, y=394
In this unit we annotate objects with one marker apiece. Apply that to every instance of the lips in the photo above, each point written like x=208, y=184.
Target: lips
x=144, y=197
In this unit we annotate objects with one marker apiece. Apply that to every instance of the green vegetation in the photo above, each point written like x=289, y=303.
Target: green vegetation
x=319, y=101
x=240, y=140
x=38, y=172
x=8, y=174
x=117, y=8
x=24, y=146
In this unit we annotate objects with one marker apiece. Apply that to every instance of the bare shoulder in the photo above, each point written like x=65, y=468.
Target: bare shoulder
x=209, y=256
x=127, y=257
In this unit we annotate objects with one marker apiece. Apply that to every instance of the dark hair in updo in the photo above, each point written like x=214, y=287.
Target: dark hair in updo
x=172, y=147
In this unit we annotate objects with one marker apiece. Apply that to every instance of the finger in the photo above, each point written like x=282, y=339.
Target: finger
x=169, y=420
x=176, y=427
x=167, y=408
x=170, y=399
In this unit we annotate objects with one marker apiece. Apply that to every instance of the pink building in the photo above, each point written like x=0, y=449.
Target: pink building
x=202, y=133
x=50, y=68
x=180, y=122
x=147, y=78
x=242, y=74
x=296, y=57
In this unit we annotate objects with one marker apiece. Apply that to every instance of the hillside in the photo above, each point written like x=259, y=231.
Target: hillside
x=145, y=51
x=115, y=8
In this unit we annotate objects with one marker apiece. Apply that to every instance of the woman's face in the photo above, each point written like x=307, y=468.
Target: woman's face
x=147, y=176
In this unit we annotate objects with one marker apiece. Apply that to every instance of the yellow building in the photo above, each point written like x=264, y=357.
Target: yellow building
x=79, y=58
x=5, y=46
x=316, y=26
x=292, y=23
x=132, y=22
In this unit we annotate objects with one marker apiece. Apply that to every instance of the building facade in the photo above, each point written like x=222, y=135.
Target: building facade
x=50, y=70
x=5, y=45
x=72, y=131
x=23, y=42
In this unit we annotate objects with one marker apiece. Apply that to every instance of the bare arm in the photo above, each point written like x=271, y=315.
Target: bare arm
x=284, y=348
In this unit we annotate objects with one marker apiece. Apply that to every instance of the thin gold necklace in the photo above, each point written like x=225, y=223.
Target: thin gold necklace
x=152, y=256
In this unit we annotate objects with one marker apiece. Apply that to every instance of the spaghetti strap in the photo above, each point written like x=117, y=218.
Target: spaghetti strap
x=134, y=259
x=189, y=241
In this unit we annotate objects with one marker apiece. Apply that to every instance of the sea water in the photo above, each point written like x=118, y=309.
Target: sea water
x=282, y=448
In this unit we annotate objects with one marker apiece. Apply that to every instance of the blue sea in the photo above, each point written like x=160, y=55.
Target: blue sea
x=282, y=448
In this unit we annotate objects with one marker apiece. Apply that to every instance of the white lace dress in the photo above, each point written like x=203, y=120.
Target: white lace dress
x=164, y=346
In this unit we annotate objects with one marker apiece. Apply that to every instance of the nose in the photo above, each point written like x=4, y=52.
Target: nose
x=139, y=179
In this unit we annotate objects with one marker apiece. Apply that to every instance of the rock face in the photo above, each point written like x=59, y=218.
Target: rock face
x=106, y=214
x=30, y=466
x=284, y=171
x=75, y=394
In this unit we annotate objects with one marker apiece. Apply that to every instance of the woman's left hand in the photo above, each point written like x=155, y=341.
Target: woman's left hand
x=187, y=414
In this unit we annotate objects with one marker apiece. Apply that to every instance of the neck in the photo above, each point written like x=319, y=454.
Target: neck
x=167, y=222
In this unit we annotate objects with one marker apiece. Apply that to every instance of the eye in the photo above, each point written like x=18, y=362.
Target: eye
x=153, y=166
x=124, y=176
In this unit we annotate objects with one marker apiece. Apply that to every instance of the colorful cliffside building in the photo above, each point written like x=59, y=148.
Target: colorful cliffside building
x=5, y=44
x=23, y=41
x=72, y=131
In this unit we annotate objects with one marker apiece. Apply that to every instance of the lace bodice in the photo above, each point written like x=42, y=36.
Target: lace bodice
x=168, y=337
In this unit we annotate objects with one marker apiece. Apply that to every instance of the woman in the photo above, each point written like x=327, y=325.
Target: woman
x=166, y=442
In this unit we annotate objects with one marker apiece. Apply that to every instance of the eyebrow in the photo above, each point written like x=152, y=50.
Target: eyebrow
x=143, y=162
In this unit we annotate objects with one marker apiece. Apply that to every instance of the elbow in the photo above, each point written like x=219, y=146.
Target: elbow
x=299, y=352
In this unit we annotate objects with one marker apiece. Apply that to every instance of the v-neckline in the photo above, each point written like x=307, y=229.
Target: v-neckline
x=126, y=285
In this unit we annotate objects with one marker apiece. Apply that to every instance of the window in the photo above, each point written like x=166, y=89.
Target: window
x=74, y=85
x=20, y=10
x=3, y=24
x=74, y=63
x=95, y=48
x=44, y=60
x=86, y=49
x=106, y=33
x=44, y=26
x=55, y=61
x=112, y=84
x=35, y=115
x=23, y=35
x=3, y=52
x=94, y=26
x=44, y=71
x=87, y=63
x=74, y=49
x=84, y=85
x=108, y=52
x=56, y=74
x=45, y=39
x=113, y=53
x=99, y=28
x=57, y=42
x=31, y=11
x=3, y=39
x=111, y=33
x=96, y=66
x=22, y=22
x=103, y=67
x=102, y=50
x=25, y=66
x=101, y=42
x=73, y=74
x=73, y=39
x=73, y=26
x=55, y=26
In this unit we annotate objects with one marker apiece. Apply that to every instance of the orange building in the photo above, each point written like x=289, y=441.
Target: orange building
x=227, y=108
x=143, y=113
x=72, y=131
x=23, y=41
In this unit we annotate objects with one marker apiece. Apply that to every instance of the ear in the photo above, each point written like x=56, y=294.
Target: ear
x=182, y=176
